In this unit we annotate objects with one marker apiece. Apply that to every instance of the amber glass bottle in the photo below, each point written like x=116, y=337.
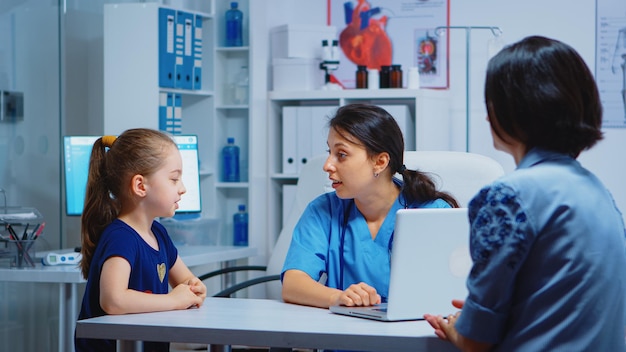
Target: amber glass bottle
x=361, y=77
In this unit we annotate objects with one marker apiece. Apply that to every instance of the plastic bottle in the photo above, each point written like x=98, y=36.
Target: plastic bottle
x=372, y=79
x=413, y=78
x=234, y=24
x=361, y=77
x=240, y=227
x=240, y=91
x=230, y=161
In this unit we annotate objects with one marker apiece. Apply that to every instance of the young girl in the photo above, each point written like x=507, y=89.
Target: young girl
x=128, y=258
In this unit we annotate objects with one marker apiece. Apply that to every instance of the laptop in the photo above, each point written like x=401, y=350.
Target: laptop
x=430, y=262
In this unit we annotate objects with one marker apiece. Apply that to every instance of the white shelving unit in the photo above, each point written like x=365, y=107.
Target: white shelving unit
x=428, y=108
x=131, y=97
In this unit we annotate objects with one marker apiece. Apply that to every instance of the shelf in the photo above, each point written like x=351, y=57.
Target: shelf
x=389, y=93
x=231, y=185
x=231, y=48
x=203, y=93
x=233, y=107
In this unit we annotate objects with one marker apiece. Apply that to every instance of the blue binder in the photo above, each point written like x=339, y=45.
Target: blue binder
x=197, y=53
x=166, y=111
x=177, y=119
x=167, y=58
x=184, y=50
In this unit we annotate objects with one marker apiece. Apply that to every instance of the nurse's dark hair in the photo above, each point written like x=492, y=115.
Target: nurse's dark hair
x=377, y=131
x=539, y=91
x=112, y=164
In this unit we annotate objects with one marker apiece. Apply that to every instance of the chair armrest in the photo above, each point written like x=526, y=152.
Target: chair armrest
x=240, y=286
x=231, y=270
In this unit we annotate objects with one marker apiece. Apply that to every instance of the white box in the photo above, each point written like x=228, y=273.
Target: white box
x=300, y=41
x=297, y=74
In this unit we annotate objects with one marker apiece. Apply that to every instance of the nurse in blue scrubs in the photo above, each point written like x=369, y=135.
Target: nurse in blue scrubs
x=346, y=235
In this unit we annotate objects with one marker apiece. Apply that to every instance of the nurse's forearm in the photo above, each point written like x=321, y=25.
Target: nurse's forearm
x=300, y=288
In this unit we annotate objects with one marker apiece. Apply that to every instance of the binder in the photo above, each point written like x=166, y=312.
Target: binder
x=290, y=114
x=165, y=101
x=167, y=58
x=177, y=121
x=402, y=115
x=197, y=53
x=183, y=49
x=319, y=128
x=304, y=136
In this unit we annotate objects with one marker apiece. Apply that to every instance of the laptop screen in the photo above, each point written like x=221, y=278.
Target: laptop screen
x=76, y=154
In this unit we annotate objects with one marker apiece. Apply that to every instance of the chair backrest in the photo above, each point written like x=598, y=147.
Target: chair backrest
x=312, y=182
x=462, y=174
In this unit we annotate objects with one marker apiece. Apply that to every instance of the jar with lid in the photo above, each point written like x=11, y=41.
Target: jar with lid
x=395, y=77
x=384, y=76
x=361, y=77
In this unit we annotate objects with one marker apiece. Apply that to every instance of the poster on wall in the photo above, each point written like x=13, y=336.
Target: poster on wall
x=375, y=33
x=611, y=60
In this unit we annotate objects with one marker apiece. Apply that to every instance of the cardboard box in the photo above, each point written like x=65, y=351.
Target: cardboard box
x=300, y=41
x=297, y=74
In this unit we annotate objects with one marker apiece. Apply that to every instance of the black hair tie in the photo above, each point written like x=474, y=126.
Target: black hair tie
x=402, y=169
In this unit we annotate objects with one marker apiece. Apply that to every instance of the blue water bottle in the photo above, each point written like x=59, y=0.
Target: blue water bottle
x=230, y=161
x=234, y=24
x=240, y=227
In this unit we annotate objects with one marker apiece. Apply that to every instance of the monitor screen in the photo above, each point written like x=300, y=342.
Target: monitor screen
x=77, y=151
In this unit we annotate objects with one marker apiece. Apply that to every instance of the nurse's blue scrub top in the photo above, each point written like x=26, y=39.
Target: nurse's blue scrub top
x=316, y=243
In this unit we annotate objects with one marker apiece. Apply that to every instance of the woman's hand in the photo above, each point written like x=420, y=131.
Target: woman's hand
x=445, y=330
x=440, y=324
x=360, y=294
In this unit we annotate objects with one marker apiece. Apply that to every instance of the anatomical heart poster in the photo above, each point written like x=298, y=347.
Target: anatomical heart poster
x=377, y=33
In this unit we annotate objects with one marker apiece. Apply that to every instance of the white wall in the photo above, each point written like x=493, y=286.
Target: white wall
x=572, y=22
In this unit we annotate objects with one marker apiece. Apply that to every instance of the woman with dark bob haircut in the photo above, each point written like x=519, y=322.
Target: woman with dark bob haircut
x=547, y=241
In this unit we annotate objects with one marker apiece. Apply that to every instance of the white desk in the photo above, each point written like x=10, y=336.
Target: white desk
x=258, y=322
x=68, y=278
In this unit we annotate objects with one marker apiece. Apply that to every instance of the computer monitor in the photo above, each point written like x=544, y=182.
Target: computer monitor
x=77, y=151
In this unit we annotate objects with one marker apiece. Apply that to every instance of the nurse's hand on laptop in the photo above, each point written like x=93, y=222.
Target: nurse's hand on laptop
x=360, y=294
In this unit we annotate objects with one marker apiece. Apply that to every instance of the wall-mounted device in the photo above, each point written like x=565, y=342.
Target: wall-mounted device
x=11, y=106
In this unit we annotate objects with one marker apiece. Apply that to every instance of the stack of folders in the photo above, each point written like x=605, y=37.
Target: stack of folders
x=180, y=63
x=170, y=112
x=180, y=49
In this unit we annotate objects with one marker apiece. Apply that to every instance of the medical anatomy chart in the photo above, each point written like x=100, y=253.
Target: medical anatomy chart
x=611, y=60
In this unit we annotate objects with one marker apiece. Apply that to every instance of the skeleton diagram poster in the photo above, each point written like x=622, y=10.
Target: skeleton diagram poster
x=611, y=60
x=377, y=33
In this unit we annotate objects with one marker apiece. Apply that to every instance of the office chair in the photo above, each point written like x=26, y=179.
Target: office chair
x=460, y=173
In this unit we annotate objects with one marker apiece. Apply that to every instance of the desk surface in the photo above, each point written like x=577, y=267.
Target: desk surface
x=191, y=255
x=258, y=322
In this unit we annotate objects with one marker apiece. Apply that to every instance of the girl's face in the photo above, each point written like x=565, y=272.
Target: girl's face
x=165, y=186
x=348, y=166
